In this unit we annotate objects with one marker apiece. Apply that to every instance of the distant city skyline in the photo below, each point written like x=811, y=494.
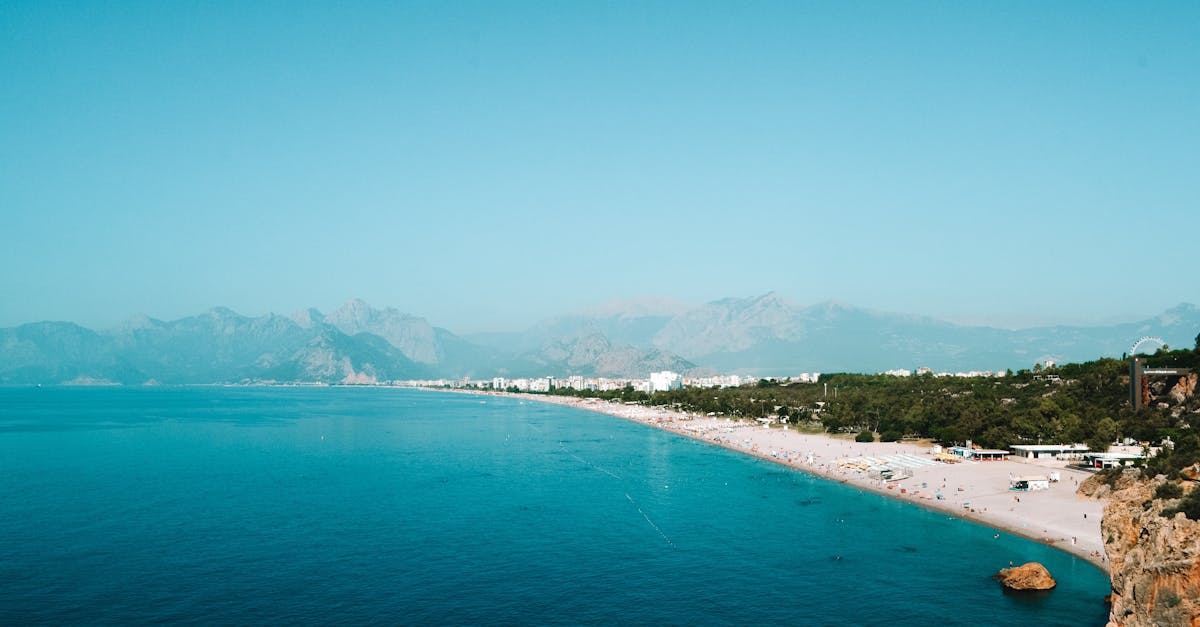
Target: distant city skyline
x=488, y=165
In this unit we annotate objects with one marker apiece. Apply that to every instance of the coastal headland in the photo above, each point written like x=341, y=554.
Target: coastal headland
x=976, y=491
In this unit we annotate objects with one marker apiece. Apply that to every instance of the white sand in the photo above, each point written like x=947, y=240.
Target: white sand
x=977, y=491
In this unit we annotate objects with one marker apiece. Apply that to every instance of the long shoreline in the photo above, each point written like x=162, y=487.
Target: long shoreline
x=977, y=492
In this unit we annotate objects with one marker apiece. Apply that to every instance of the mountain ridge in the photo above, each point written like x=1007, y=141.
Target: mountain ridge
x=766, y=334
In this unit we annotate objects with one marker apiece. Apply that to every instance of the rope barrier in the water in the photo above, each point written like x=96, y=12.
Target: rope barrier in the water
x=656, y=527
x=614, y=476
x=587, y=463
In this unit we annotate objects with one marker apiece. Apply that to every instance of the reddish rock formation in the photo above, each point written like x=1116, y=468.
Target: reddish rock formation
x=1030, y=576
x=1184, y=388
x=1154, y=560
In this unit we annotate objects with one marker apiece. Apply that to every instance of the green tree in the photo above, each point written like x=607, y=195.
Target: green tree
x=1190, y=506
x=1168, y=490
x=1106, y=432
x=890, y=436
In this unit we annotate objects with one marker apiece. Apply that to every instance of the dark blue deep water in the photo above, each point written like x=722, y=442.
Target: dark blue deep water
x=351, y=506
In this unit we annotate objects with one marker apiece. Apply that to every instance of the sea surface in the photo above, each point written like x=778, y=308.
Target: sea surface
x=237, y=505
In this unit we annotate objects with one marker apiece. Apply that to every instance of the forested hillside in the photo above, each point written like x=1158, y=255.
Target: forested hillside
x=1085, y=402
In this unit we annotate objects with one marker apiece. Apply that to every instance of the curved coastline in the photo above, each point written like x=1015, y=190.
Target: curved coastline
x=976, y=492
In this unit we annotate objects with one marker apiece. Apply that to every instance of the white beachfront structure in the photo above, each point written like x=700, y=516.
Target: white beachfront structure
x=1110, y=460
x=980, y=454
x=665, y=380
x=1029, y=483
x=1050, y=451
x=541, y=384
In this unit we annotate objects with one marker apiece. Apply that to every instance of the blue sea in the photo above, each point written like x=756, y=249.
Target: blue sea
x=368, y=505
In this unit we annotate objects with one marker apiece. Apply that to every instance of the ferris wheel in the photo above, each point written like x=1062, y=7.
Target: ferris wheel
x=1149, y=339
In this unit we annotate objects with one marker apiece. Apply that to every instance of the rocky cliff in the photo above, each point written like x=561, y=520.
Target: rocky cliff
x=1154, y=560
x=1185, y=388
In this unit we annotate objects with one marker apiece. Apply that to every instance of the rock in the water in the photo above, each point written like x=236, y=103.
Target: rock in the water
x=1031, y=576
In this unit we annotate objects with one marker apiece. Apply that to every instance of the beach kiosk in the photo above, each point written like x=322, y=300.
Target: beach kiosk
x=1028, y=483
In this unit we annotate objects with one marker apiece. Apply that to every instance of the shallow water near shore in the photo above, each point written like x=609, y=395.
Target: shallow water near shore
x=341, y=505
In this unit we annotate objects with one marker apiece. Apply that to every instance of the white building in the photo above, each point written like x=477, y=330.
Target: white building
x=665, y=380
x=1050, y=451
x=608, y=385
x=1029, y=483
x=541, y=384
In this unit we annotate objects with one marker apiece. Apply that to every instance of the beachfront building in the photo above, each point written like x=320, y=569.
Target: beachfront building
x=979, y=454
x=1050, y=451
x=665, y=381
x=576, y=382
x=541, y=384
x=720, y=381
x=1110, y=460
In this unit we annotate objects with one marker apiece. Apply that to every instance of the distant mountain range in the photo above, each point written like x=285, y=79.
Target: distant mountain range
x=763, y=335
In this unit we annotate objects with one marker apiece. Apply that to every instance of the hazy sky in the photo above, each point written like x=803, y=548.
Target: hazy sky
x=487, y=164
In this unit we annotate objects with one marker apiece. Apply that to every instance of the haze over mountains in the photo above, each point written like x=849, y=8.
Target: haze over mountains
x=763, y=335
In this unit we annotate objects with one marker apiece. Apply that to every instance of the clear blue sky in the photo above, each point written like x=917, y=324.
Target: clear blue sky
x=488, y=164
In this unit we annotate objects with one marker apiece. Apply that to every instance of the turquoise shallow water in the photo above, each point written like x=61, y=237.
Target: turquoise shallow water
x=338, y=505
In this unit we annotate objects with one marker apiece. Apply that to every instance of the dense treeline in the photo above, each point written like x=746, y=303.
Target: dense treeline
x=1087, y=402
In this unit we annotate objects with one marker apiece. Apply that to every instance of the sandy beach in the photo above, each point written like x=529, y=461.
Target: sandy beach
x=977, y=491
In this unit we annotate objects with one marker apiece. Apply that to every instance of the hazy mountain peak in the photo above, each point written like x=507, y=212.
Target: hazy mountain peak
x=307, y=318
x=595, y=354
x=358, y=311
x=222, y=313
x=1183, y=309
x=354, y=310
x=1179, y=313
x=770, y=304
x=832, y=305
x=412, y=335
x=138, y=321
x=773, y=301
x=731, y=325
x=639, y=307
x=769, y=300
